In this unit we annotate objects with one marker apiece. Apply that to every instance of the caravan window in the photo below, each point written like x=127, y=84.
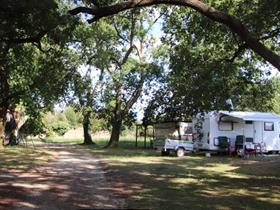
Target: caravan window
x=187, y=130
x=268, y=126
x=248, y=122
x=225, y=126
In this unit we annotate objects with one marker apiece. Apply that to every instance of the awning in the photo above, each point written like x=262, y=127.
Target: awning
x=248, y=116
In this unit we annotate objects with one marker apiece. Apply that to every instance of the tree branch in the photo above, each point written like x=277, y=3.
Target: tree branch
x=135, y=95
x=34, y=39
x=81, y=10
x=118, y=32
x=216, y=15
x=271, y=34
x=240, y=49
x=116, y=62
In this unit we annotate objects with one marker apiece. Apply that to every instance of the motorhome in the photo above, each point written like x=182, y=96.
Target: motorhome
x=256, y=127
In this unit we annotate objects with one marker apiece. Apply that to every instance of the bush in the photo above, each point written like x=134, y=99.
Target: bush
x=74, y=118
x=56, y=123
x=60, y=127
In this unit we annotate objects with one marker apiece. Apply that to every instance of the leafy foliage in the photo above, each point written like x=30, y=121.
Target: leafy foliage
x=36, y=63
x=202, y=75
x=276, y=99
x=56, y=123
x=73, y=117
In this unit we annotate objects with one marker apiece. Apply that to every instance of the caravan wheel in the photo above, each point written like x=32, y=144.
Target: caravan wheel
x=180, y=152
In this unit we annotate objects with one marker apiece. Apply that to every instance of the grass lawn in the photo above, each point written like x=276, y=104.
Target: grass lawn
x=21, y=159
x=193, y=182
x=125, y=142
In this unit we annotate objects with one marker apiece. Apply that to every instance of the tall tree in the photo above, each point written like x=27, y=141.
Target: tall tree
x=128, y=70
x=89, y=46
x=33, y=43
x=86, y=93
x=225, y=12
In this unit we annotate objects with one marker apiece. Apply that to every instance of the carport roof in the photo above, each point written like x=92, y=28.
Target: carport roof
x=252, y=116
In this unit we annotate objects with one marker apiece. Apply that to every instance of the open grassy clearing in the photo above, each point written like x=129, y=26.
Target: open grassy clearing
x=193, y=182
x=101, y=140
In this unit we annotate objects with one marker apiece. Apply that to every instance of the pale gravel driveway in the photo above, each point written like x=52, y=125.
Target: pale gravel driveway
x=74, y=179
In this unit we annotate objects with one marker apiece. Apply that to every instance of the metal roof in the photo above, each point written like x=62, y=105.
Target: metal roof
x=252, y=116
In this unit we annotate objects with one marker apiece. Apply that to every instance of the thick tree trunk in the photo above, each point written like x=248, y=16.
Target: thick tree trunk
x=9, y=127
x=115, y=134
x=86, y=124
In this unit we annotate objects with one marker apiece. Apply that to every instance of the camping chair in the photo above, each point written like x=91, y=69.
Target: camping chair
x=260, y=148
x=250, y=147
x=224, y=143
x=239, y=145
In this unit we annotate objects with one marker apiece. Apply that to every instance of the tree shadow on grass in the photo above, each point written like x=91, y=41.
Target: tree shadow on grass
x=197, y=183
x=150, y=182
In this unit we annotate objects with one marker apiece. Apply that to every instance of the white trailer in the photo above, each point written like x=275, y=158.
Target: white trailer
x=180, y=147
x=257, y=127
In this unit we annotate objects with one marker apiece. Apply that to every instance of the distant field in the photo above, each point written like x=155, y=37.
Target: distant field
x=127, y=141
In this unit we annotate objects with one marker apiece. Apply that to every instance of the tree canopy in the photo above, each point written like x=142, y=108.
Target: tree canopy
x=205, y=70
x=227, y=12
x=34, y=55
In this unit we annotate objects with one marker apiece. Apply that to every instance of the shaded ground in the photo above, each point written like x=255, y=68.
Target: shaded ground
x=194, y=181
x=72, y=179
x=141, y=178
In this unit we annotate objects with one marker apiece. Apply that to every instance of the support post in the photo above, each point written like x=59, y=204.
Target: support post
x=145, y=136
x=136, y=136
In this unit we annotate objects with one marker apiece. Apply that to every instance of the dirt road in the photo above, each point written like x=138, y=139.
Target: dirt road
x=73, y=179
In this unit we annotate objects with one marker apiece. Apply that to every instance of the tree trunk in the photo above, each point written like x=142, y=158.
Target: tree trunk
x=115, y=134
x=87, y=136
x=2, y=125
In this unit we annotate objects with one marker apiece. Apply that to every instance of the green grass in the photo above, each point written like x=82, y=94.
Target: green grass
x=125, y=141
x=22, y=158
x=60, y=140
x=194, y=182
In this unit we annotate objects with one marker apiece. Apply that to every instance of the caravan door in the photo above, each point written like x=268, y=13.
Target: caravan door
x=258, y=132
x=249, y=129
x=271, y=135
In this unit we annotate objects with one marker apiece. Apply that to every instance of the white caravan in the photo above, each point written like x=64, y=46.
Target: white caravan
x=257, y=127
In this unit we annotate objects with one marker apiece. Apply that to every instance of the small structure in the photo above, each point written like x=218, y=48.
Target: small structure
x=144, y=130
x=223, y=130
x=176, y=130
x=173, y=130
x=170, y=137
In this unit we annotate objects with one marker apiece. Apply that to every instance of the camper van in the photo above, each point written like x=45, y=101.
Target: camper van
x=210, y=129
